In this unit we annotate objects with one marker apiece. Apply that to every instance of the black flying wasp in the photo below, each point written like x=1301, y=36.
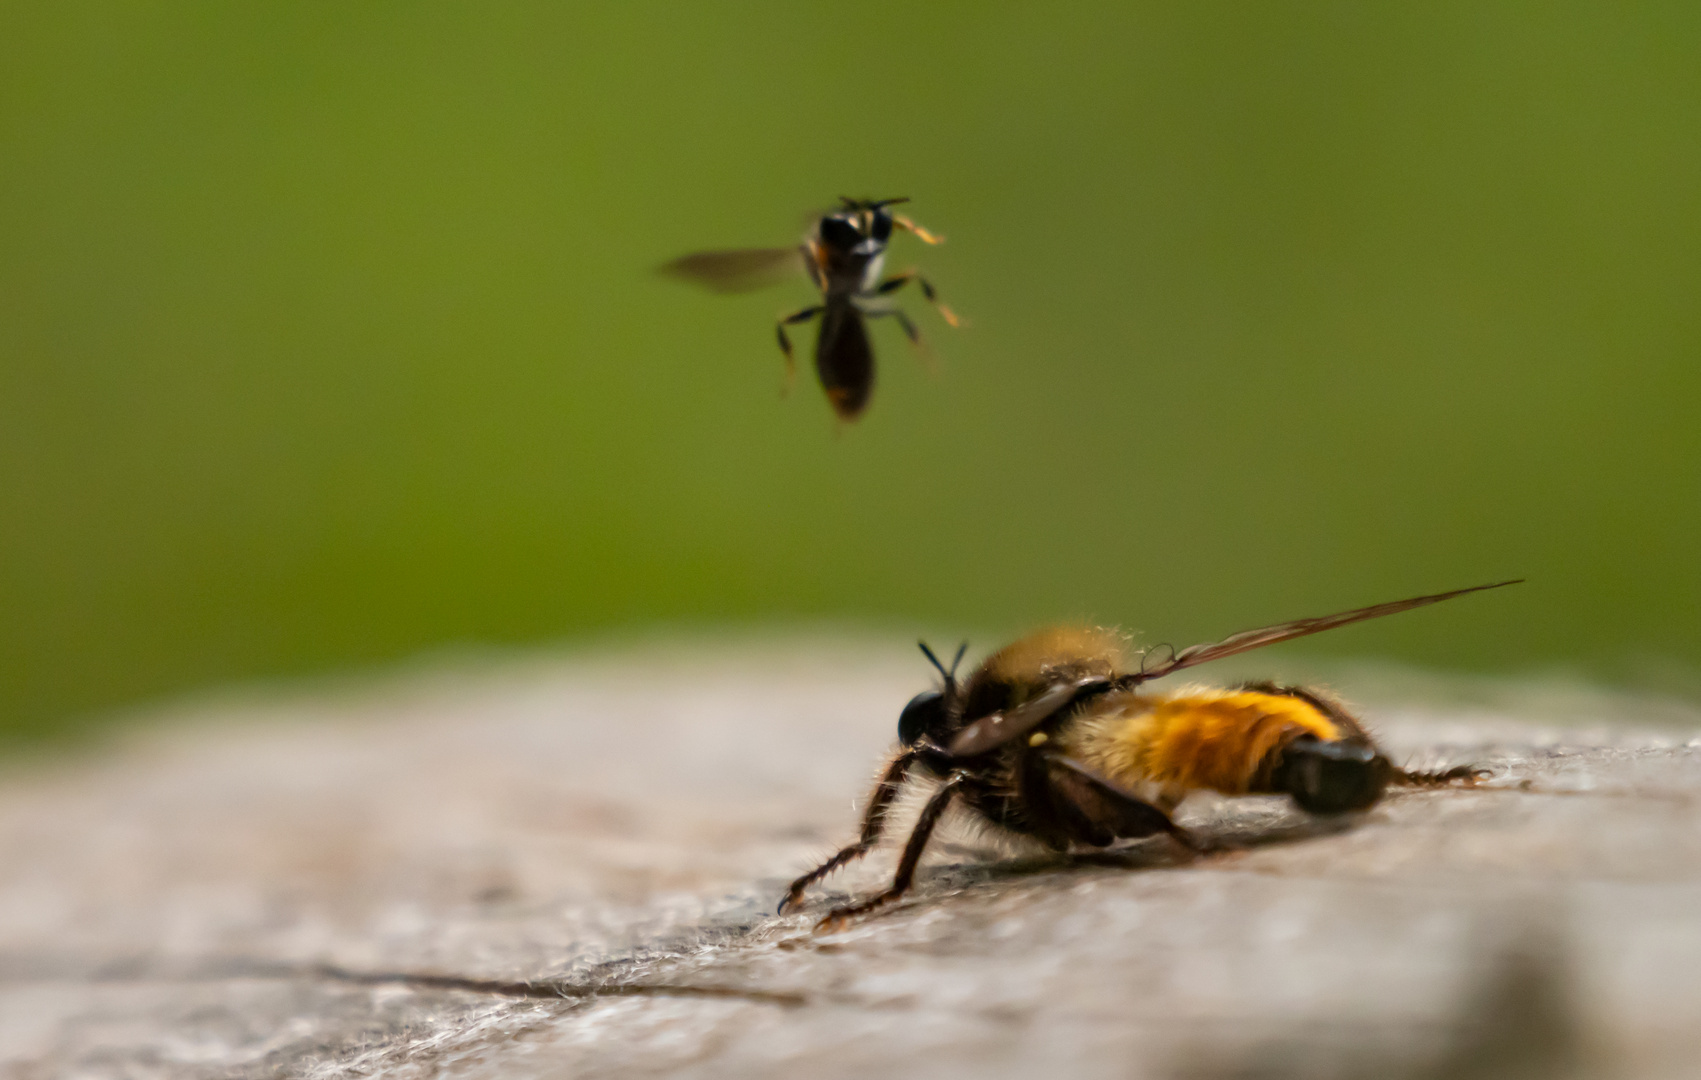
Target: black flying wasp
x=1053, y=738
x=844, y=254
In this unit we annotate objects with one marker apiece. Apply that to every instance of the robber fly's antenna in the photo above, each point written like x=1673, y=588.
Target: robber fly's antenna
x=934, y=660
x=891, y=202
x=950, y=675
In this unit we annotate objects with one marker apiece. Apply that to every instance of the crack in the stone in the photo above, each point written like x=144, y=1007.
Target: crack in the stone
x=535, y=989
x=550, y=989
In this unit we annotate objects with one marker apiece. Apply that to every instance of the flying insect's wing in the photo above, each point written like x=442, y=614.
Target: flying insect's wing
x=1247, y=640
x=993, y=730
x=737, y=271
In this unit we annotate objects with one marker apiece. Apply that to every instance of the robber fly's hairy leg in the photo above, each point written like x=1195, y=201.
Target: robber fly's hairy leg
x=1469, y=774
x=873, y=822
x=920, y=233
x=898, y=281
x=793, y=319
x=930, y=815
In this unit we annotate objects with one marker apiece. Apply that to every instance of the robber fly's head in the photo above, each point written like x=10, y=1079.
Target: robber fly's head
x=929, y=712
x=860, y=227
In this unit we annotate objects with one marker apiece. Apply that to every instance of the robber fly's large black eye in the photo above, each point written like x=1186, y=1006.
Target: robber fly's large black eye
x=882, y=227
x=923, y=714
x=838, y=233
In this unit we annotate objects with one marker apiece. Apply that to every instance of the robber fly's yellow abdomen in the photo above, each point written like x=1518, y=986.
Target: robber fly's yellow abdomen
x=1193, y=739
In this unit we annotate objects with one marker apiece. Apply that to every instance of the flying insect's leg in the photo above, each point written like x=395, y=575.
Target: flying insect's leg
x=921, y=234
x=785, y=342
x=924, y=824
x=910, y=330
x=873, y=821
x=898, y=281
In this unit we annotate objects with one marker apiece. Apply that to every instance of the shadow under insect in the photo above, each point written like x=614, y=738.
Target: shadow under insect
x=1223, y=836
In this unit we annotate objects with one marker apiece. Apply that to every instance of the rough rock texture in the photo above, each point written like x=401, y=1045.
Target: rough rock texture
x=570, y=869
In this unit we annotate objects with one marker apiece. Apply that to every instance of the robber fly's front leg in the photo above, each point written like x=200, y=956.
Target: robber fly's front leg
x=873, y=824
x=785, y=342
x=936, y=806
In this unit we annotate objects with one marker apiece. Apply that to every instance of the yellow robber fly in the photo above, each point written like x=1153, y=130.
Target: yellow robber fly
x=1056, y=737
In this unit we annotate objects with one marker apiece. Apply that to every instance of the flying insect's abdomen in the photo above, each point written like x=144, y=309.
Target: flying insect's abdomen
x=1217, y=739
x=844, y=360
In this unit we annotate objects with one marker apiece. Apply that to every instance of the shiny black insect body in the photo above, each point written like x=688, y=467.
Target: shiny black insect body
x=844, y=255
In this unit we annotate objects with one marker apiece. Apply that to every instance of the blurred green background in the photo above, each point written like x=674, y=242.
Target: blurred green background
x=328, y=332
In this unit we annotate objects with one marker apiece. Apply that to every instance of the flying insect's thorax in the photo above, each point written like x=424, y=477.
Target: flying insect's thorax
x=845, y=273
x=872, y=268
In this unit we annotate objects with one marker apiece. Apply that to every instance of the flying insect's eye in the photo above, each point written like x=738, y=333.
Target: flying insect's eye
x=882, y=228
x=839, y=233
x=923, y=714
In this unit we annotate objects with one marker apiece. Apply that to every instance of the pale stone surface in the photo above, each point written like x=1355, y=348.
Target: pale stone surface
x=229, y=892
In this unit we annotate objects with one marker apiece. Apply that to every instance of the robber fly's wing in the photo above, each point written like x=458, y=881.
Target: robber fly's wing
x=741, y=270
x=1256, y=639
x=993, y=730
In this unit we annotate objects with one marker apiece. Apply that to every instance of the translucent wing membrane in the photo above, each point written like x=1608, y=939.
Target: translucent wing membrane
x=1247, y=640
x=741, y=270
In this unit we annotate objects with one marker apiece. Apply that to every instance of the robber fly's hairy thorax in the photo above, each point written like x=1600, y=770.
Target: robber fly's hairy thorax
x=1057, y=738
x=844, y=255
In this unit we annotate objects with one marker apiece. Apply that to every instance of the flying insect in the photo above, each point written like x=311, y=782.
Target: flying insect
x=1055, y=738
x=844, y=254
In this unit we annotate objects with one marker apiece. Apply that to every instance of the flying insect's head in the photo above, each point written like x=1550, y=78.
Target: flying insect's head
x=862, y=227
x=929, y=712
x=1332, y=776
